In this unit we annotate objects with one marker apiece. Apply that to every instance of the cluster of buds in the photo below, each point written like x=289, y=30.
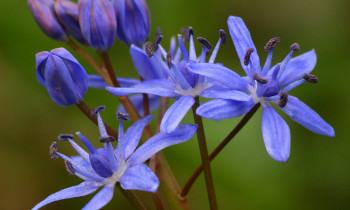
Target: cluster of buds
x=93, y=22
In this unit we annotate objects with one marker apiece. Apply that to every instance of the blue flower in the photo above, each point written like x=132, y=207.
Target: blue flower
x=175, y=80
x=133, y=21
x=67, y=14
x=265, y=86
x=44, y=14
x=61, y=74
x=98, y=23
x=106, y=166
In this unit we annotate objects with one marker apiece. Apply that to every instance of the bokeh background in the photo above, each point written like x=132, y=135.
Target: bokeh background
x=317, y=174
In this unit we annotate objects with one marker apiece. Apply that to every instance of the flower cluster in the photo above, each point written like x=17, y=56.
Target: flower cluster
x=179, y=73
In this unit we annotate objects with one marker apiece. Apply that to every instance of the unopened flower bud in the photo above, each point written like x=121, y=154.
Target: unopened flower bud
x=44, y=14
x=97, y=23
x=67, y=14
x=134, y=21
x=64, y=78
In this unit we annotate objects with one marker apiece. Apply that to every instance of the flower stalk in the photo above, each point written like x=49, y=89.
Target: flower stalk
x=134, y=200
x=205, y=157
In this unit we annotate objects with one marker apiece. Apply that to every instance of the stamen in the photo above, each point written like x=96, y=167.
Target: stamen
x=190, y=31
x=247, y=56
x=222, y=35
x=65, y=137
x=205, y=43
x=69, y=167
x=283, y=99
x=259, y=79
x=295, y=47
x=97, y=109
x=158, y=39
x=271, y=44
x=123, y=116
x=168, y=59
x=186, y=33
x=310, y=78
x=105, y=139
x=159, y=31
x=53, y=150
x=148, y=49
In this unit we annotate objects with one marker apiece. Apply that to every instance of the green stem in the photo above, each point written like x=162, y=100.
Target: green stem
x=134, y=200
x=205, y=157
x=221, y=146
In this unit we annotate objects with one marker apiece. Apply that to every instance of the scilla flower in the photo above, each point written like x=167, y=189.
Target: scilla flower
x=176, y=81
x=133, y=21
x=106, y=166
x=266, y=86
x=97, y=22
x=44, y=14
x=61, y=74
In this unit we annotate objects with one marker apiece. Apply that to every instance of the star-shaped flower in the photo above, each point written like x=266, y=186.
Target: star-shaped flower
x=106, y=166
x=266, y=86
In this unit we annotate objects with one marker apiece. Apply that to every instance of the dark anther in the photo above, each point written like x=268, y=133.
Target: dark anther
x=123, y=116
x=310, y=78
x=159, y=31
x=148, y=49
x=271, y=43
x=205, y=42
x=190, y=31
x=295, y=47
x=158, y=39
x=283, y=100
x=259, y=79
x=69, y=167
x=186, y=33
x=168, y=59
x=65, y=137
x=53, y=150
x=97, y=109
x=222, y=35
x=247, y=56
x=105, y=139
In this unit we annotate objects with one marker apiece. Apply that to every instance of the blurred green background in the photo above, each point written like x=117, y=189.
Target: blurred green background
x=316, y=175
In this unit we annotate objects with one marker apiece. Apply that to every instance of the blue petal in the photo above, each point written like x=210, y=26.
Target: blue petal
x=156, y=87
x=133, y=134
x=297, y=67
x=307, y=117
x=276, y=134
x=242, y=40
x=219, y=109
x=225, y=94
x=96, y=81
x=85, y=188
x=101, y=198
x=146, y=67
x=221, y=74
x=160, y=141
x=137, y=101
x=176, y=113
x=139, y=177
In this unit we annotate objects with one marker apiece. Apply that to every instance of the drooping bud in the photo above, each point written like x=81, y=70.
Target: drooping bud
x=69, y=167
x=310, y=78
x=67, y=14
x=271, y=44
x=247, y=56
x=97, y=22
x=97, y=109
x=65, y=137
x=123, y=116
x=105, y=139
x=44, y=14
x=168, y=59
x=259, y=79
x=133, y=21
x=283, y=99
x=148, y=49
x=295, y=47
x=61, y=74
x=222, y=35
x=53, y=150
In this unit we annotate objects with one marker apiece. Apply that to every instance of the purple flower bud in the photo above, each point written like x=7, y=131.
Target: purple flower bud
x=43, y=12
x=98, y=23
x=63, y=77
x=67, y=14
x=134, y=21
